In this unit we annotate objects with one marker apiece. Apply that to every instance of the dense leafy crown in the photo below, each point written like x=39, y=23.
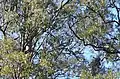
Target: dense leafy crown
x=48, y=39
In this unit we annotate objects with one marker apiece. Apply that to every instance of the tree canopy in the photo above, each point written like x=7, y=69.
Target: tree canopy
x=48, y=39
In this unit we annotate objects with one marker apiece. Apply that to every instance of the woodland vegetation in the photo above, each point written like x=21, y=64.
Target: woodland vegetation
x=49, y=39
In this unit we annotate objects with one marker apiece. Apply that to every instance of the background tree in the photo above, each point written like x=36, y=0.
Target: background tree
x=48, y=38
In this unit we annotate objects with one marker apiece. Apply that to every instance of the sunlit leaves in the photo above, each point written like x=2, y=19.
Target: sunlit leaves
x=86, y=75
x=45, y=63
x=84, y=2
x=7, y=45
x=109, y=75
x=12, y=60
x=92, y=30
x=16, y=62
x=35, y=13
x=6, y=70
x=10, y=22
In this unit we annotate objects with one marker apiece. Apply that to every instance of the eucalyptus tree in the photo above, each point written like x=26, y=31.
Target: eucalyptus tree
x=46, y=38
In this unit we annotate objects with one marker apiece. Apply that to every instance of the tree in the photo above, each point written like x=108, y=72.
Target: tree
x=47, y=38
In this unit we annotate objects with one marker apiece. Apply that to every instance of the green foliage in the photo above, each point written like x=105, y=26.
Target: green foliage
x=93, y=30
x=87, y=75
x=31, y=20
x=13, y=61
